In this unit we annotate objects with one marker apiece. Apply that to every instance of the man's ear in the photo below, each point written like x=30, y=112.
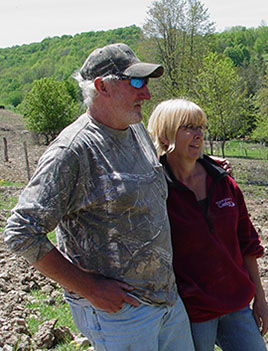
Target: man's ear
x=100, y=86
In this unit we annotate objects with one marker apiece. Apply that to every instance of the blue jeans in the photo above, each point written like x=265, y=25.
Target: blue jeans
x=143, y=328
x=236, y=331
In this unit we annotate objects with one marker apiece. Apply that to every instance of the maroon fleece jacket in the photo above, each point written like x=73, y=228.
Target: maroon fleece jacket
x=209, y=244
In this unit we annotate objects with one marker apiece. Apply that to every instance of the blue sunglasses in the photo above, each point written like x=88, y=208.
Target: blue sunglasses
x=136, y=82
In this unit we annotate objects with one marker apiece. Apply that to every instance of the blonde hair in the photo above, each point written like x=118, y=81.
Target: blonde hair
x=168, y=117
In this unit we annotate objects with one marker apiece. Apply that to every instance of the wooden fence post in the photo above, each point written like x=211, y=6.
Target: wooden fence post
x=26, y=160
x=5, y=150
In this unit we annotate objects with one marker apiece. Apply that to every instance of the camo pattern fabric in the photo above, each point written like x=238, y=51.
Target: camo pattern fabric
x=105, y=192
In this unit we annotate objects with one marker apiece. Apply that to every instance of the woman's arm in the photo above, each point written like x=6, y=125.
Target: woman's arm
x=260, y=308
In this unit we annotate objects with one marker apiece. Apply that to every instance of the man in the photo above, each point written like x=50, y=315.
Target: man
x=101, y=186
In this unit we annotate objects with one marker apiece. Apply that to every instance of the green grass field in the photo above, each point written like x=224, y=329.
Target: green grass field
x=241, y=149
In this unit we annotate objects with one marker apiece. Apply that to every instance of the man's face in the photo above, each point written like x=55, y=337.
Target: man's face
x=126, y=103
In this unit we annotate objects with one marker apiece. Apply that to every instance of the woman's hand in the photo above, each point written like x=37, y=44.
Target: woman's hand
x=260, y=313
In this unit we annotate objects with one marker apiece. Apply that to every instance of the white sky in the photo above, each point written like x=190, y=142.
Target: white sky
x=27, y=21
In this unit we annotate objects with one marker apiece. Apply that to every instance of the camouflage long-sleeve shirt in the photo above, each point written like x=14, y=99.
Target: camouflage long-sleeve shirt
x=105, y=193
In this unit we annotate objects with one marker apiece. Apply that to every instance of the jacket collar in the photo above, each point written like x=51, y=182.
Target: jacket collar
x=211, y=166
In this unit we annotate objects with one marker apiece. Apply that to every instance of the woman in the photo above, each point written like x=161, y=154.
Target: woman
x=214, y=242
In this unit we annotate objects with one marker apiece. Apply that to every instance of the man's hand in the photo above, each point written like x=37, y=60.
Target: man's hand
x=108, y=294
x=224, y=163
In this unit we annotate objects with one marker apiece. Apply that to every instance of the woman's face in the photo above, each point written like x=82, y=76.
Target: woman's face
x=189, y=141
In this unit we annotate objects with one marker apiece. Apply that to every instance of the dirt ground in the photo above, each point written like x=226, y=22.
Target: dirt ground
x=14, y=169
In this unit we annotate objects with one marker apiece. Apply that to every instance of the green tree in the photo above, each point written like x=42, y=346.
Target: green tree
x=48, y=108
x=14, y=98
x=248, y=49
x=218, y=94
x=238, y=54
x=261, y=131
x=178, y=31
x=261, y=43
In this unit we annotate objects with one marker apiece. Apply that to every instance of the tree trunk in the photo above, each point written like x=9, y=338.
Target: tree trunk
x=211, y=145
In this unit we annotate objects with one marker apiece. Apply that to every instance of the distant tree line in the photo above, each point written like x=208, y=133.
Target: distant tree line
x=56, y=57
x=226, y=73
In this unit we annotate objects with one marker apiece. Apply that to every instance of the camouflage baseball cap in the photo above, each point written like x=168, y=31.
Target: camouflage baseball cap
x=120, y=60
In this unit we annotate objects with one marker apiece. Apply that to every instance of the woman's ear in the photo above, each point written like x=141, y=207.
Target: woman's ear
x=100, y=86
x=164, y=141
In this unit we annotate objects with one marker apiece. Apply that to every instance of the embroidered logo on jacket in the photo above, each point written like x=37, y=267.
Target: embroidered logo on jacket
x=225, y=202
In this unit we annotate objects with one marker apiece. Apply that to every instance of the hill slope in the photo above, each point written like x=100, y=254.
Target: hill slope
x=58, y=57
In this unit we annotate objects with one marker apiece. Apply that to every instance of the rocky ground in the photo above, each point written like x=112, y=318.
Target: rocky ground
x=20, y=152
x=17, y=278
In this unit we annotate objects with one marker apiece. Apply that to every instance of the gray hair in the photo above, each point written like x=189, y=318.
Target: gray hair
x=89, y=92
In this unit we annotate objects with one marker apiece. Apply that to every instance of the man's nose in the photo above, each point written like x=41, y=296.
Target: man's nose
x=144, y=93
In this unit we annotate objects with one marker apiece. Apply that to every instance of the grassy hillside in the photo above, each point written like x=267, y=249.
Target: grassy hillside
x=58, y=57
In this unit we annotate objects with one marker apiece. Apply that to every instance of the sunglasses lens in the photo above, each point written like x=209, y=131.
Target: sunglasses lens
x=138, y=82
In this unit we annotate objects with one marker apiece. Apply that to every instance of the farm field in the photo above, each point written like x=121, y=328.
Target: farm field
x=250, y=173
